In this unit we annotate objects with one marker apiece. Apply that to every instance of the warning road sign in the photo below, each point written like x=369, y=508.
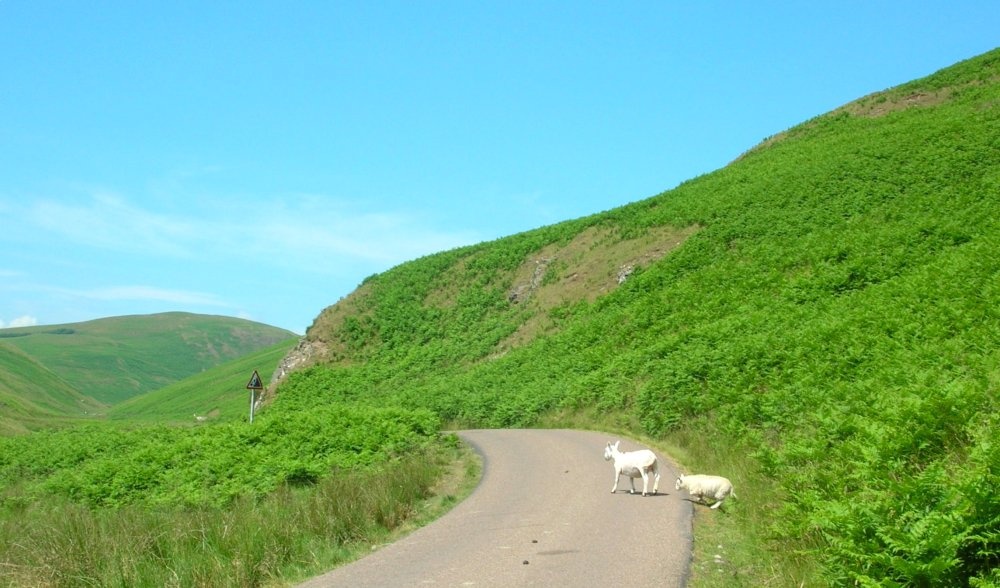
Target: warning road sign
x=255, y=383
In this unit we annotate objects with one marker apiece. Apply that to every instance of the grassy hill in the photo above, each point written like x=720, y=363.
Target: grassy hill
x=820, y=320
x=74, y=369
x=216, y=394
x=50, y=395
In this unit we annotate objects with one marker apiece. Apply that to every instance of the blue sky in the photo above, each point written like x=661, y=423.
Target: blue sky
x=260, y=159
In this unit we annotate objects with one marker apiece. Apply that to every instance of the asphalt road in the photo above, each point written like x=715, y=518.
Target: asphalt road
x=542, y=515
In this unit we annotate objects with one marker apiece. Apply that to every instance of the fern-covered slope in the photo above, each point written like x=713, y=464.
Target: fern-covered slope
x=828, y=304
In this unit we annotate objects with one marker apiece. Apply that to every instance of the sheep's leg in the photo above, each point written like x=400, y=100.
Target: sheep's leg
x=614, y=488
x=718, y=503
x=656, y=482
x=631, y=482
x=645, y=482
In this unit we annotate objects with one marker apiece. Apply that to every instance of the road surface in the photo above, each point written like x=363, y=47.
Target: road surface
x=542, y=515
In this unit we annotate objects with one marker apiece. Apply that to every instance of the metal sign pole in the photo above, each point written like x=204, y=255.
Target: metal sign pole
x=253, y=386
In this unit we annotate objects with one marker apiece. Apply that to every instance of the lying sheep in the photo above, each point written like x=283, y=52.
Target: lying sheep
x=702, y=486
x=633, y=464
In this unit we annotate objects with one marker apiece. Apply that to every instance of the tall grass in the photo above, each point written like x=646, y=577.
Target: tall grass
x=288, y=535
x=735, y=546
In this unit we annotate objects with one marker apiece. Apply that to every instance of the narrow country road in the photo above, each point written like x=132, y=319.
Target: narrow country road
x=542, y=515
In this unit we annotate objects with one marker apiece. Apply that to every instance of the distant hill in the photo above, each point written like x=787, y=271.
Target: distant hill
x=73, y=370
x=216, y=394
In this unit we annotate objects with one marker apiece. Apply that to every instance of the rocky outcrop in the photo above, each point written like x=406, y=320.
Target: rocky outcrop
x=305, y=353
x=521, y=292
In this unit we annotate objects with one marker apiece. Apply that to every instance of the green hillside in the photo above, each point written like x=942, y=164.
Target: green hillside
x=50, y=400
x=820, y=320
x=216, y=394
x=114, y=359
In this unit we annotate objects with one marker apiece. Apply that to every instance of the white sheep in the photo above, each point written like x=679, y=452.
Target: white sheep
x=633, y=464
x=701, y=486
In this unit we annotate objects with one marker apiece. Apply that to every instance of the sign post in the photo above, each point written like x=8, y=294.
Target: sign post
x=253, y=386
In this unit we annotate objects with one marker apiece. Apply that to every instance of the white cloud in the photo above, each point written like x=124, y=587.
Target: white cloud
x=93, y=252
x=147, y=293
x=108, y=221
x=21, y=321
x=374, y=238
x=299, y=230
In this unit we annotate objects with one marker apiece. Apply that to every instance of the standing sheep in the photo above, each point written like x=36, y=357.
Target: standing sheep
x=701, y=486
x=633, y=464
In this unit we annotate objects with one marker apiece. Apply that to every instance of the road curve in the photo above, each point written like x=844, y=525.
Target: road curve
x=542, y=515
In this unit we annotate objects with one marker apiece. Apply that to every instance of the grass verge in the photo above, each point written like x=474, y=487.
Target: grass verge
x=288, y=536
x=733, y=545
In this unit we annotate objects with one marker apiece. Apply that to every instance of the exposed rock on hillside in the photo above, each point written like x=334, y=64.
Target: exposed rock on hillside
x=306, y=352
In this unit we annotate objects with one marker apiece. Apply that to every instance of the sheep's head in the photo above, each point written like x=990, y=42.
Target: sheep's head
x=608, y=453
x=679, y=483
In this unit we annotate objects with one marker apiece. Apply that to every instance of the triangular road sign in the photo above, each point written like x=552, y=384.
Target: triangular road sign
x=255, y=383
